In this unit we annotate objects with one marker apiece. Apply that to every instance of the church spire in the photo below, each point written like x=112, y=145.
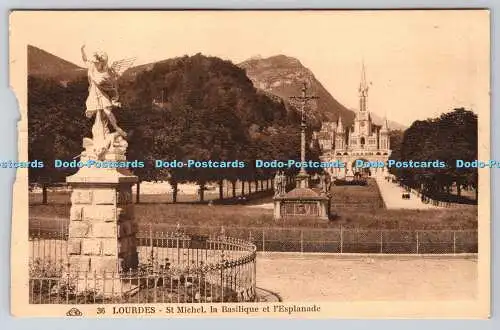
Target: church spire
x=340, y=127
x=363, y=89
x=385, y=125
x=363, y=86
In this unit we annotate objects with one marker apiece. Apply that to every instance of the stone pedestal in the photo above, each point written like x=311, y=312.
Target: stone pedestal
x=102, y=227
x=303, y=203
x=277, y=209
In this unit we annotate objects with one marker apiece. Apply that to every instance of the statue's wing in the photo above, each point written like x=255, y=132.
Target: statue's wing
x=120, y=66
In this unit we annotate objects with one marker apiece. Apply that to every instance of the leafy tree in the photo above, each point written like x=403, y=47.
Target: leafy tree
x=450, y=137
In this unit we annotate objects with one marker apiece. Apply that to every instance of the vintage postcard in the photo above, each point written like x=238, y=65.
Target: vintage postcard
x=289, y=164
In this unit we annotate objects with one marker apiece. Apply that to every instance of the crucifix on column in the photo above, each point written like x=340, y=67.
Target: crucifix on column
x=302, y=177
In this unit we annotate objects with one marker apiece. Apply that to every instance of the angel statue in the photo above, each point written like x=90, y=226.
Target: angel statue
x=283, y=183
x=103, y=98
x=277, y=184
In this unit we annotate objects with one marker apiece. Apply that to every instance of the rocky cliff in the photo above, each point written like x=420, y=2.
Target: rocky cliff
x=284, y=76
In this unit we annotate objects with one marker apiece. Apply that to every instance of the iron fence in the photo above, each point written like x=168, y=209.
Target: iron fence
x=363, y=240
x=340, y=239
x=173, y=268
x=351, y=240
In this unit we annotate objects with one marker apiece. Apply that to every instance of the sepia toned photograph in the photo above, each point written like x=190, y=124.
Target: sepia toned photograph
x=311, y=164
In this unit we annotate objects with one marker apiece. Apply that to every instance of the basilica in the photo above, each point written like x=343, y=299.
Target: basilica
x=364, y=140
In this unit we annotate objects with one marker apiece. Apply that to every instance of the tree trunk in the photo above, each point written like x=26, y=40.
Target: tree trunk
x=44, y=194
x=138, y=193
x=242, y=188
x=459, y=190
x=202, y=192
x=221, y=189
x=261, y=185
x=249, y=187
x=175, y=190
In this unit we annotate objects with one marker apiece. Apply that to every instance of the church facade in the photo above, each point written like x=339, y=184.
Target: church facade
x=364, y=140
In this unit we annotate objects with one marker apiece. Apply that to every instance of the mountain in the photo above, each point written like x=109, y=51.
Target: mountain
x=131, y=73
x=277, y=77
x=43, y=64
x=203, y=83
x=378, y=120
x=284, y=76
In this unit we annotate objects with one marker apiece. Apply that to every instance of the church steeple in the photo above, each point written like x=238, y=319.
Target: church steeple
x=340, y=135
x=340, y=127
x=385, y=125
x=363, y=89
x=384, y=135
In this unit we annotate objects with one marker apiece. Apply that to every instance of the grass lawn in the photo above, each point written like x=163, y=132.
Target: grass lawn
x=360, y=196
x=193, y=214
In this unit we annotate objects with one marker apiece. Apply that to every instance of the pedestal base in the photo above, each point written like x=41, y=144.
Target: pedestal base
x=102, y=229
x=303, y=203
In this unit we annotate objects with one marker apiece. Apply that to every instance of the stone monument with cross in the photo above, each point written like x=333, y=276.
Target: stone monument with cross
x=302, y=178
x=302, y=201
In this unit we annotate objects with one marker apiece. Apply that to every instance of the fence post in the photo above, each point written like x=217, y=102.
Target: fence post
x=341, y=239
x=301, y=241
x=222, y=275
x=417, y=241
x=454, y=243
x=138, y=193
x=381, y=241
x=263, y=240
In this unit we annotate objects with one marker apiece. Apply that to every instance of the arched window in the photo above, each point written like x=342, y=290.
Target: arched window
x=362, y=142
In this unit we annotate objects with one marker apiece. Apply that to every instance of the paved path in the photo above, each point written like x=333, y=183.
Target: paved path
x=264, y=295
x=311, y=277
x=268, y=206
x=391, y=194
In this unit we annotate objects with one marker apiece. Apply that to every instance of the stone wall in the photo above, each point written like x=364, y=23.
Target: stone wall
x=102, y=228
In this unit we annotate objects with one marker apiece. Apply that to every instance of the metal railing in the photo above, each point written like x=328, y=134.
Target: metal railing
x=173, y=268
x=340, y=239
x=352, y=240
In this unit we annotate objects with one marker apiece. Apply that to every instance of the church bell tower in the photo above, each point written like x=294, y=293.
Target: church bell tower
x=363, y=114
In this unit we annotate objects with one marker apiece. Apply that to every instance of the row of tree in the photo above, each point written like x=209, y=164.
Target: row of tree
x=200, y=108
x=450, y=137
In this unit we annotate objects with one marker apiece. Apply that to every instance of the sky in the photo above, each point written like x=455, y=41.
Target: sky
x=420, y=63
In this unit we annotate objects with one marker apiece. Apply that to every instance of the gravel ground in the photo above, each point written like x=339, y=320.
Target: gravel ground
x=310, y=277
